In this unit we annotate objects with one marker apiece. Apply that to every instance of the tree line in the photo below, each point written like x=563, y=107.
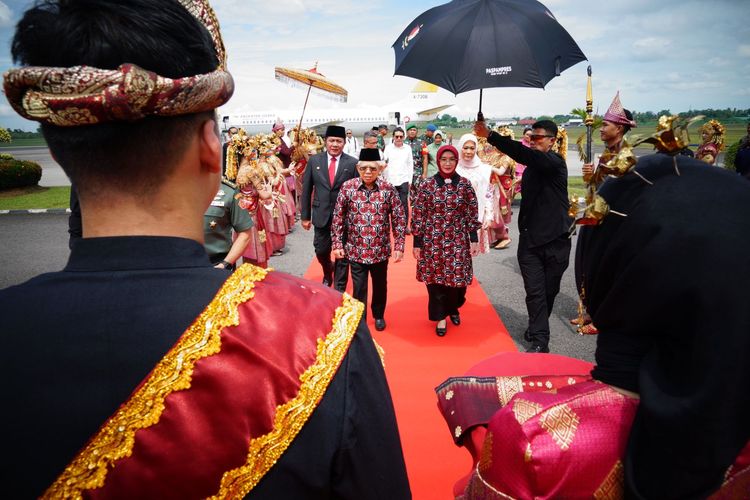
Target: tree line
x=723, y=115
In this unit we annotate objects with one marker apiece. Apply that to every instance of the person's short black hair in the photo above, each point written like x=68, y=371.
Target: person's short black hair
x=526, y=129
x=371, y=133
x=398, y=129
x=382, y=127
x=157, y=35
x=547, y=125
x=629, y=116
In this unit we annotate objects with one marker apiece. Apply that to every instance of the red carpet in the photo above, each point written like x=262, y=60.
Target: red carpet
x=417, y=361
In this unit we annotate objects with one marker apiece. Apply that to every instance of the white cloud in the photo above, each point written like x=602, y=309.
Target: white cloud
x=6, y=16
x=744, y=50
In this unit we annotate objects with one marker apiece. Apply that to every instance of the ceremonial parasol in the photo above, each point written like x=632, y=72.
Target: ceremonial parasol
x=311, y=80
x=476, y=44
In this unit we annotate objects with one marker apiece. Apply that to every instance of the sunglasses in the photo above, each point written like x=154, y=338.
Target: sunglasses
x=398, y=136
x=366, y=168
x=536, y=137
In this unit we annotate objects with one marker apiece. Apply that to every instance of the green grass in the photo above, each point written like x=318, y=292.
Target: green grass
x=576, y=186
x=734, y=132
x=35, y=197
x=34, y=141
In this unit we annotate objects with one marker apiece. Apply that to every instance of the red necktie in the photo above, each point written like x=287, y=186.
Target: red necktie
x=332, y=170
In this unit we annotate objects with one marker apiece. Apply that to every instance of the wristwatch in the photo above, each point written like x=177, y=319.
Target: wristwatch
x=227, y=265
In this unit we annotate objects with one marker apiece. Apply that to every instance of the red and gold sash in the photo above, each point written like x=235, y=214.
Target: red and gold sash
x=227, y=400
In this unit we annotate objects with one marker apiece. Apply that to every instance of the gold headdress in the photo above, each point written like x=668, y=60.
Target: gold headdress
x=82, y=95
x=240, y=144
x=716, y=131
x=671, y=134
x=561, y=143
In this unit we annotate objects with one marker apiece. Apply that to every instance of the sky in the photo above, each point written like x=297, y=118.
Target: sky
x=667, y=54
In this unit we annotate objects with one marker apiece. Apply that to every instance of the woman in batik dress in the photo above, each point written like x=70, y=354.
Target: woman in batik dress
x=445, y=228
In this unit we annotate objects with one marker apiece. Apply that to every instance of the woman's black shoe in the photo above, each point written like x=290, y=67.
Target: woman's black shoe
x=441, y=331
x=455, y=319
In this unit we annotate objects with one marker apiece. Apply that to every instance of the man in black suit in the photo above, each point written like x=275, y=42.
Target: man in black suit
x=324, y=175
x=544, y=223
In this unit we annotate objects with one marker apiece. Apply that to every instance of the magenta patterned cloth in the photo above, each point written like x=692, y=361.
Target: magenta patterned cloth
x=365, y=219
x=444, y=214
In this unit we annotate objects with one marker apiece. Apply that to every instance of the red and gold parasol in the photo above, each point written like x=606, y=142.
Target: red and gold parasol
x=313, y=81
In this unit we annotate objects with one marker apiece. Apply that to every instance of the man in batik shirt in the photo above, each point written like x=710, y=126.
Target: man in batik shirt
x=366, y=210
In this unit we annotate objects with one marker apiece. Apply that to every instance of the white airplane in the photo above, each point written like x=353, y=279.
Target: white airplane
x=422, y=104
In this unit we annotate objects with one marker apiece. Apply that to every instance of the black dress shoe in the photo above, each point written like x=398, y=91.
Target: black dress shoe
x=538, y=348
x=326, y=282
x=527, y=336
x=455, y=319
x=440, y=331
x=379, y=324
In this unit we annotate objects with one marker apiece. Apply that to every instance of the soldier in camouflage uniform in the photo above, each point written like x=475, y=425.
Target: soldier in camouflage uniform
x=223, y=215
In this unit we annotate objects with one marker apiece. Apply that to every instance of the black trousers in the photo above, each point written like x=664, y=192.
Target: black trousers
x=379, y=274
x=444, y=301
x=403, y=195
x=336, y=273
x=542, y=268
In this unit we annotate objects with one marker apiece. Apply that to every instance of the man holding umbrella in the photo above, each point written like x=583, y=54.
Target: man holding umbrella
x=544, y=245
x=324, y=175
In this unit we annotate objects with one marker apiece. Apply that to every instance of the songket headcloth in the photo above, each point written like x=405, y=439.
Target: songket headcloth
x=82, y=95
x=616, y=113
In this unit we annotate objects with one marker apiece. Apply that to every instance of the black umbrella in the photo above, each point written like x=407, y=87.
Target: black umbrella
x=476, y=44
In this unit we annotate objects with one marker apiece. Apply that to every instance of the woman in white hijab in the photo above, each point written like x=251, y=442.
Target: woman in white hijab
x=478, y=173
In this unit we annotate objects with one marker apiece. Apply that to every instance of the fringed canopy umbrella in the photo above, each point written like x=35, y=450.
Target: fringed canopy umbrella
x=313, y=81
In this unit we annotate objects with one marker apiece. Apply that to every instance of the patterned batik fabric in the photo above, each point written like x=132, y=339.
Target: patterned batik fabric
x=561, y=443
x=365, y=218
x=444, y=214
x=82, y=95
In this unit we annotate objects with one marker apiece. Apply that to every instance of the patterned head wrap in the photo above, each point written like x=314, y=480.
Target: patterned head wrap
x=444, y=149
x=82, y=95
x=475, y=162
x=616, y=113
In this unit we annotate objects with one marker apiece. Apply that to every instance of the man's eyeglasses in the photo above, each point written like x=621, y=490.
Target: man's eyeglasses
x=398, y=136
x=536, y=137
x=368, y=168
x=348, y=133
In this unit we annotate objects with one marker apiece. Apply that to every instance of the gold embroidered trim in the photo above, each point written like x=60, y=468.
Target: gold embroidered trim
x=480, y=488
x=381, y=351
x=174, y=372
x=507, y=387
x=613, y=486
x=561, y=422
x=524, y=410
x=290, y=417
x=485, y=458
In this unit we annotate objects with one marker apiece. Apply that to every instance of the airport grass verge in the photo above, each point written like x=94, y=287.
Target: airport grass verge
x=38, y=197
x=35, y=197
